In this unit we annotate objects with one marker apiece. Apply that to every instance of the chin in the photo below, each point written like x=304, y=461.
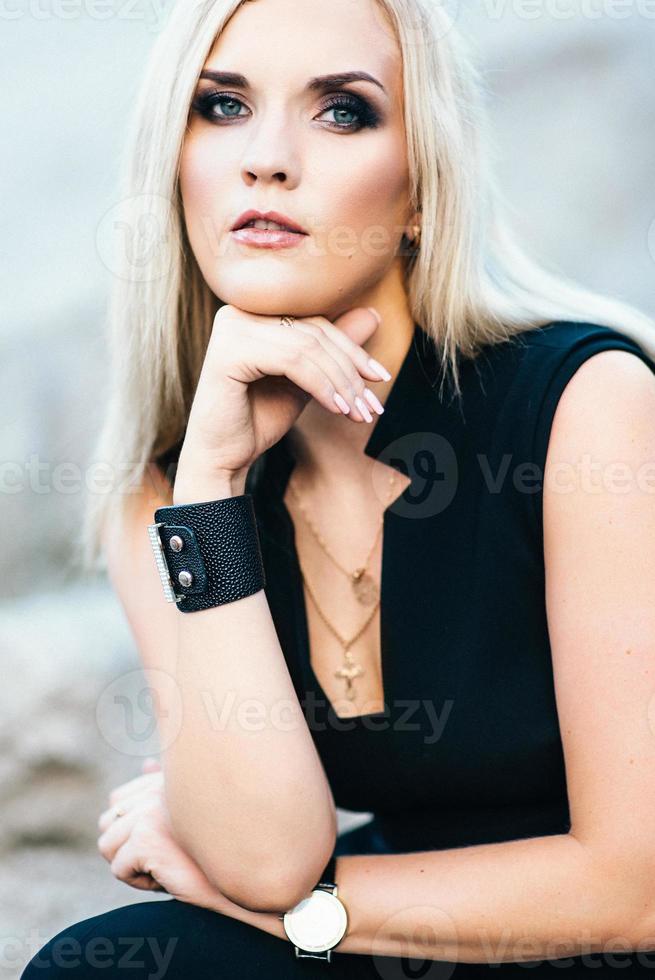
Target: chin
x=278, y=299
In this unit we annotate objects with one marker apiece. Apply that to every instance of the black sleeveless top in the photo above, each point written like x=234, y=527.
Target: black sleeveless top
x=468, y=748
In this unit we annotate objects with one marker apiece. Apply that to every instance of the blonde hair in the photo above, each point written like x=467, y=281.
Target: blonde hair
x=469, y=284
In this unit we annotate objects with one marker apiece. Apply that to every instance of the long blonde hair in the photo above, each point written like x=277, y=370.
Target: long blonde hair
x=469, y=284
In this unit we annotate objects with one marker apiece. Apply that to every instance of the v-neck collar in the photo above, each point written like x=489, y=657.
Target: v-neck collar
x=412, y=406
x=412, y=392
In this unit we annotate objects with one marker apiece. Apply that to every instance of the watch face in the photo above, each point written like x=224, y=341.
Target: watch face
x=316, y=923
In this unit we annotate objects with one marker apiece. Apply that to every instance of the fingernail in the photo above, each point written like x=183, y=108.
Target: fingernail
x=375, y=314
x=381, y=372
x=361, y=405
x=373, y=401
x=342, y=403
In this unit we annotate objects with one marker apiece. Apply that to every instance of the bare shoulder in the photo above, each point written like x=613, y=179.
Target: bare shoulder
x=610, y=385
x=601, y=451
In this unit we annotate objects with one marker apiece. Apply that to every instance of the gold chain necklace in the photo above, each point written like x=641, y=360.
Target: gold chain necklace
x=363, y=584
x=350, y=669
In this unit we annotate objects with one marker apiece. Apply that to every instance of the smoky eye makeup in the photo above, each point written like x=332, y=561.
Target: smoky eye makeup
x=222, y=107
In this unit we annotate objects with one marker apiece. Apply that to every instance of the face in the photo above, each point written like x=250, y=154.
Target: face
x=330, y=156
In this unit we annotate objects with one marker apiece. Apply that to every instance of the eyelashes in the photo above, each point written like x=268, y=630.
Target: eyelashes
x=368, y=118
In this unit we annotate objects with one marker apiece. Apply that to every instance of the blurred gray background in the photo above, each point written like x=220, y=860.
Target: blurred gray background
x=573, y=107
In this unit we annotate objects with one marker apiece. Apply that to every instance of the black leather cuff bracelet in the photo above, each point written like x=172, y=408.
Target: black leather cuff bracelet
x=208, y=553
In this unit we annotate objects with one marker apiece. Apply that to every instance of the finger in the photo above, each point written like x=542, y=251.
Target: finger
x=128, y=865
x=116, y=834
x=359, y=323
x=301, y=357
x=352, y=359
x=151, y=765
x=137, y=784
x=145, y=883
x=349, y=332
x=136, y=799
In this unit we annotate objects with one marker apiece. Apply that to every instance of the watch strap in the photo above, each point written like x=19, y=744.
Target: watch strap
x=329, y=873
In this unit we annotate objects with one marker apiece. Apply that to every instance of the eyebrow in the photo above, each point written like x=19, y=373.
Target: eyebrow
x=317, y=84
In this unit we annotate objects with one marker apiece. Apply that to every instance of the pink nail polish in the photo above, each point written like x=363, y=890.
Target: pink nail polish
x=374, y=402
x=342, y=403
x=361, y=405
x=378, y=369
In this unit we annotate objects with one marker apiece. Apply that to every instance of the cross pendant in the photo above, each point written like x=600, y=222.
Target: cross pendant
x=349, y=672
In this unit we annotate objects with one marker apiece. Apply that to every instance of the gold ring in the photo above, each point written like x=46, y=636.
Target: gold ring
x=287, y=321
x=118, y=813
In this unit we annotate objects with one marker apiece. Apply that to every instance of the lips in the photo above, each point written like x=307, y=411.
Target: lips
x=288, y=224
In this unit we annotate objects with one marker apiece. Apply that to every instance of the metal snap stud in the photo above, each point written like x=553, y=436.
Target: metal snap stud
x=176, y=543
x=185, y=578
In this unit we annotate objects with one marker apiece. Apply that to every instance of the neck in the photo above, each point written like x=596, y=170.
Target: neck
x=329, y=447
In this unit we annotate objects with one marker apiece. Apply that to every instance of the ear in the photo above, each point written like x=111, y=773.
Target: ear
x=413, y=228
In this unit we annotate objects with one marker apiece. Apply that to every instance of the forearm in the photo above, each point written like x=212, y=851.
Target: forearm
x=263, y=822
x=531, y=899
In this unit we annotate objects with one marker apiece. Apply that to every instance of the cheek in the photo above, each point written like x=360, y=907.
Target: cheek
x=370, y=198
x=203, y=186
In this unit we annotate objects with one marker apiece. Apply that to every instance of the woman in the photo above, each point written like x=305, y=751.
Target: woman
x=481, y=644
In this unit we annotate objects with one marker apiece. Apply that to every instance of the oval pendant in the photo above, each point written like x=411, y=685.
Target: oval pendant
x=365, y=589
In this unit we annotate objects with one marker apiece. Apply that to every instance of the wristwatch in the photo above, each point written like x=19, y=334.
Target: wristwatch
x=317, y=923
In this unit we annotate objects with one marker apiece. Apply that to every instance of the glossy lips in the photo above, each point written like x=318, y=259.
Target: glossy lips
x=291, y=234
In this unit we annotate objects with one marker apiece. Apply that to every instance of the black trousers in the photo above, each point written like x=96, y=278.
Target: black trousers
x=171, y=940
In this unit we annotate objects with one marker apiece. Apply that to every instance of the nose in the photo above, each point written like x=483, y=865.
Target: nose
x=271, y=153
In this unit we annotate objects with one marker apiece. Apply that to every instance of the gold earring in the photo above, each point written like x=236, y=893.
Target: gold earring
x=416, y=239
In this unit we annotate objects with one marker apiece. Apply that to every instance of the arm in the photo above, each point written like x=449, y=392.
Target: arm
x=539, y=898
x=243, y=723
x=590, y=889
x=264, y=825
x=247, y=794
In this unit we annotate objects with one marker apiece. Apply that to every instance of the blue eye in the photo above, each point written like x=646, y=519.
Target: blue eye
x=205, y=105
x=353, y=106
